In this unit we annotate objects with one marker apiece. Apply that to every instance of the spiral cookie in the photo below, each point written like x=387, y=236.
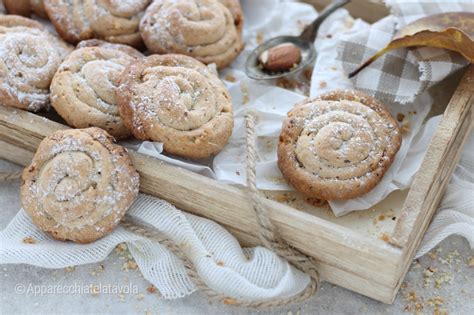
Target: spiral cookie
x=176, y=100
x=83, y=88
x=29, y=57
x=337, y=146
x=203, y=29
x=115, y=21
x=236, y=10
x=79, y=185
x=25, y=7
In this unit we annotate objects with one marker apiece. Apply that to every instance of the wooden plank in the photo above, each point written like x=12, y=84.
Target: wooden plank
x=15, y=154
x=356, y=256
x=438, y=164
x=435, y=172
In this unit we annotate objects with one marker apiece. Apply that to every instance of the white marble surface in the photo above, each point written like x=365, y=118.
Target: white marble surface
x=451, y=285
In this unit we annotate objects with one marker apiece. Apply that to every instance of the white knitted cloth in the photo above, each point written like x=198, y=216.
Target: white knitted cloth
x=250, y=273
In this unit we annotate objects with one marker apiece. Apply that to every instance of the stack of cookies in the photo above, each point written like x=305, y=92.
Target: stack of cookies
x=106, y=81
x=79, y=185
x=96, y=77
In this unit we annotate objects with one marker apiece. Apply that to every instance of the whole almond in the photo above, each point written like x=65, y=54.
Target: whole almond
x=281, y=57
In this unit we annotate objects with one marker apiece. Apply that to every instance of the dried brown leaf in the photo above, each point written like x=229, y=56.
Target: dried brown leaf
x=453, y=31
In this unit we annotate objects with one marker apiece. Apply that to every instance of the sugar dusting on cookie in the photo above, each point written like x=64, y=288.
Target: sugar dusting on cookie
x=79, y=180
x=83, y=89
x=202, y=29
x=29, y=57
x=176, y=100
x=337, y=146
x=115, y=21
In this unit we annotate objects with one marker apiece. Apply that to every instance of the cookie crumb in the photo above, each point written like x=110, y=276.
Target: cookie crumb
x=308, y=73
x=120, y=248
x=70, y=268
x=440, y=311
x=400, y=117
x=436, y=301
x=230, y=78
x=29, y=240
x=151, y=289
x=432, y=255
x=316, y=202
x=95, y=290
x=470, y=261
x=129, y=265
x=282, y=197
x=385, y=237
x=229, y=301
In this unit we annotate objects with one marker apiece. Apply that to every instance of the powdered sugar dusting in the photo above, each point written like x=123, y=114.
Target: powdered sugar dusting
x=79, y=179
x=175, y=99
x=202, y=29
x=343, y=140
x=113, y=20
x=29, y=57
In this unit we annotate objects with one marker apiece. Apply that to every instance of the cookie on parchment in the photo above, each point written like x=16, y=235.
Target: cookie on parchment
x=338, y=145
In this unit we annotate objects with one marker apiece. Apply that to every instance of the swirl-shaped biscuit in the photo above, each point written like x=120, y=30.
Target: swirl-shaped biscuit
x=112, y=20
x=236, y=10
x=79, y=185
x=83, y=88
x=29, y=57
x=337, y=146
x=203, y=29
x=25, y=7
x=176, y=100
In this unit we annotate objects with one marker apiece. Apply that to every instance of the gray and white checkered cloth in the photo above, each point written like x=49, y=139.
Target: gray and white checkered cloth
x=402, y=74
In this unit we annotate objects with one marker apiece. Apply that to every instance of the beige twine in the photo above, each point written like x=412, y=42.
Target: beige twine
x=267, y=233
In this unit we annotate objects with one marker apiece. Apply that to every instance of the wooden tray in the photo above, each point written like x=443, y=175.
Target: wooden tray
x=361, y=251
